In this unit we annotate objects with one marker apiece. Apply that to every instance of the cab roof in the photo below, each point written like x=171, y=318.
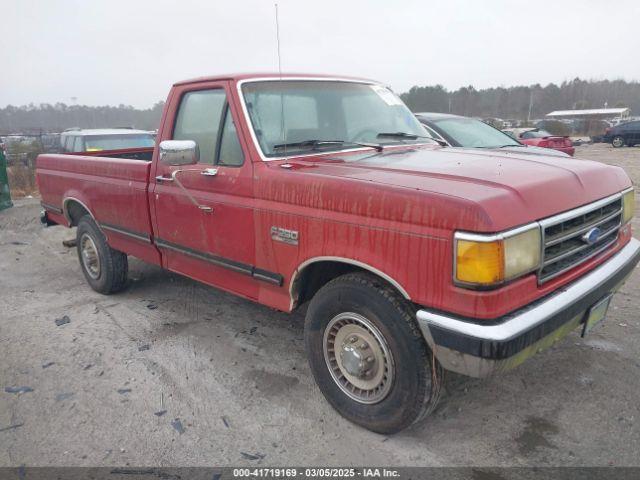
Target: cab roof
x=270, y=75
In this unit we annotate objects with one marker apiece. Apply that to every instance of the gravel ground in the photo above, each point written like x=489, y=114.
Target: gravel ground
x=174, y=373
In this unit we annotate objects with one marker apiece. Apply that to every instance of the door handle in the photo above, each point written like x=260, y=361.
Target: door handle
x=161, y=179
x=209, y=172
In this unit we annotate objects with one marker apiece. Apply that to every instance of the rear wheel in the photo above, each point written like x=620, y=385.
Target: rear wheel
x=368, y=356
x=104, y=268
x=617, y=141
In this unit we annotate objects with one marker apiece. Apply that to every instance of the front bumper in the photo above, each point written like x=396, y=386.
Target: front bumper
x=482, y=349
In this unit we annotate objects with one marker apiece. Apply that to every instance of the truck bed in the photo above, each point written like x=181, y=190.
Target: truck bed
x=113, y=189
x=144, y=154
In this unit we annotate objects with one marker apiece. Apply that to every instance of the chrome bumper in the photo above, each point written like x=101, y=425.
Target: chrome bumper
x=481, y=349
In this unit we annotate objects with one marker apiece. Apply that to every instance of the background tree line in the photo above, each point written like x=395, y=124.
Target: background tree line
x=498, y=102
x=55, y=118
x=514, y=102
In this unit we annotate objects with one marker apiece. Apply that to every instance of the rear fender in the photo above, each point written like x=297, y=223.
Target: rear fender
x=68, y=208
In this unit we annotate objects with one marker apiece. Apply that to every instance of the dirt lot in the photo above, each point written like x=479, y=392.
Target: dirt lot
x=233, y=381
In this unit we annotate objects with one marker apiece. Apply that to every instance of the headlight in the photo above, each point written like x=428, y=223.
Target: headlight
x=486, y=260
x=628, y=205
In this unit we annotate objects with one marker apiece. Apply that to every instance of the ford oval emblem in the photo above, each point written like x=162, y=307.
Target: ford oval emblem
x=592, y=236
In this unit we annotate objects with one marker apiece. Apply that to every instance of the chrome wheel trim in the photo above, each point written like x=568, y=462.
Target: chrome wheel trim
x=90, y=257
x=618, y=142
x=364, y=368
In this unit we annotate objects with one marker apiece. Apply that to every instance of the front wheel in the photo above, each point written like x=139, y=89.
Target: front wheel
x=617, y=141
x=368, y=356
x=104, y=268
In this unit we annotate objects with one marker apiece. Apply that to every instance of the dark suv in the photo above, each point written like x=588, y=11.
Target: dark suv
x=623, y=134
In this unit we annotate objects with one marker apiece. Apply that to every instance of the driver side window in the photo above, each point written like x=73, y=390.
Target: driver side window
x=198, y=119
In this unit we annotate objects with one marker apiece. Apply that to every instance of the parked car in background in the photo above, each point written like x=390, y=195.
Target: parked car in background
x=537, y=137
x=467, y=132
x=95, y=140
x=623, y=134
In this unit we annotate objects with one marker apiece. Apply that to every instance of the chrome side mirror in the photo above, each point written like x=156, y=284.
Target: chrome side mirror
x=179, y=152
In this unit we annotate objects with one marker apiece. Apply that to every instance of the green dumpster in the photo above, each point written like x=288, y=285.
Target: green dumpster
x=5, y=195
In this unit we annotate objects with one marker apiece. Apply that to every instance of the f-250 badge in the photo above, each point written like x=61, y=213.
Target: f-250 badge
x=283, y=235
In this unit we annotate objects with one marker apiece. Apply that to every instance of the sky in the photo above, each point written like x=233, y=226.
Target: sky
x=111, y=52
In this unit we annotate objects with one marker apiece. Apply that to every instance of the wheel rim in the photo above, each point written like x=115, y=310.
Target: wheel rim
x=90, y=258
x=617, y=142
x=358, y=358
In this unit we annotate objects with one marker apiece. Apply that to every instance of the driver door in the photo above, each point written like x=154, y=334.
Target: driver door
x=203, y=212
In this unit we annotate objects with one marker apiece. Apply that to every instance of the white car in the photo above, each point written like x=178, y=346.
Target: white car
x=95, y=140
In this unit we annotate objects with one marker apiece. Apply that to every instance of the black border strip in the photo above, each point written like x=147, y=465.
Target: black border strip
x=500, y=350
x=51, y=208
x=245, y=269
x=313, y=471
x=126, y=232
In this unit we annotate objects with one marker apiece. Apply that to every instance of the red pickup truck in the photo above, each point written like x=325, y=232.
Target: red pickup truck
x=412, y=258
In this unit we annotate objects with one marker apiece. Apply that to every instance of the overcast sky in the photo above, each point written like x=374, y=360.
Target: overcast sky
x=130, y=52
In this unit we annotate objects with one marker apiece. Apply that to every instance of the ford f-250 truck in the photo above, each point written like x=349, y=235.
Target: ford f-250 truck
x=413, y=258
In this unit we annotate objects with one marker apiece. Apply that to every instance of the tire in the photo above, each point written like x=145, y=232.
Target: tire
x=410, y=387
x=618, y=141
x=104, y=268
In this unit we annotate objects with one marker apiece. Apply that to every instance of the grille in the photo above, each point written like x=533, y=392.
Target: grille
x=564, y=247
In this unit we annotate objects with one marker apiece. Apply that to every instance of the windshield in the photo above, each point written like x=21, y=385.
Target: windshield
x=93, y=143
x=468, y=132
x=295, y=111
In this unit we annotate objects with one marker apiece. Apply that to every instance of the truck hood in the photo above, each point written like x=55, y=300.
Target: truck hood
x=510, y=188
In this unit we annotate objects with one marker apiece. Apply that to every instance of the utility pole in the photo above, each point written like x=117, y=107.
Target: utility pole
x=530, y=106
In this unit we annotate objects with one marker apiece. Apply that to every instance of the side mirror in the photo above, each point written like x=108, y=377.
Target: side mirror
x=179, y=152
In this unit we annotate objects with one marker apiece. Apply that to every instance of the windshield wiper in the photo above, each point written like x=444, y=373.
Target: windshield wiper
x=410, y=136
x=313, y=144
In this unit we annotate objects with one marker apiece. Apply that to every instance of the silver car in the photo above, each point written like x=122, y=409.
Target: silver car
x=465, y=132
